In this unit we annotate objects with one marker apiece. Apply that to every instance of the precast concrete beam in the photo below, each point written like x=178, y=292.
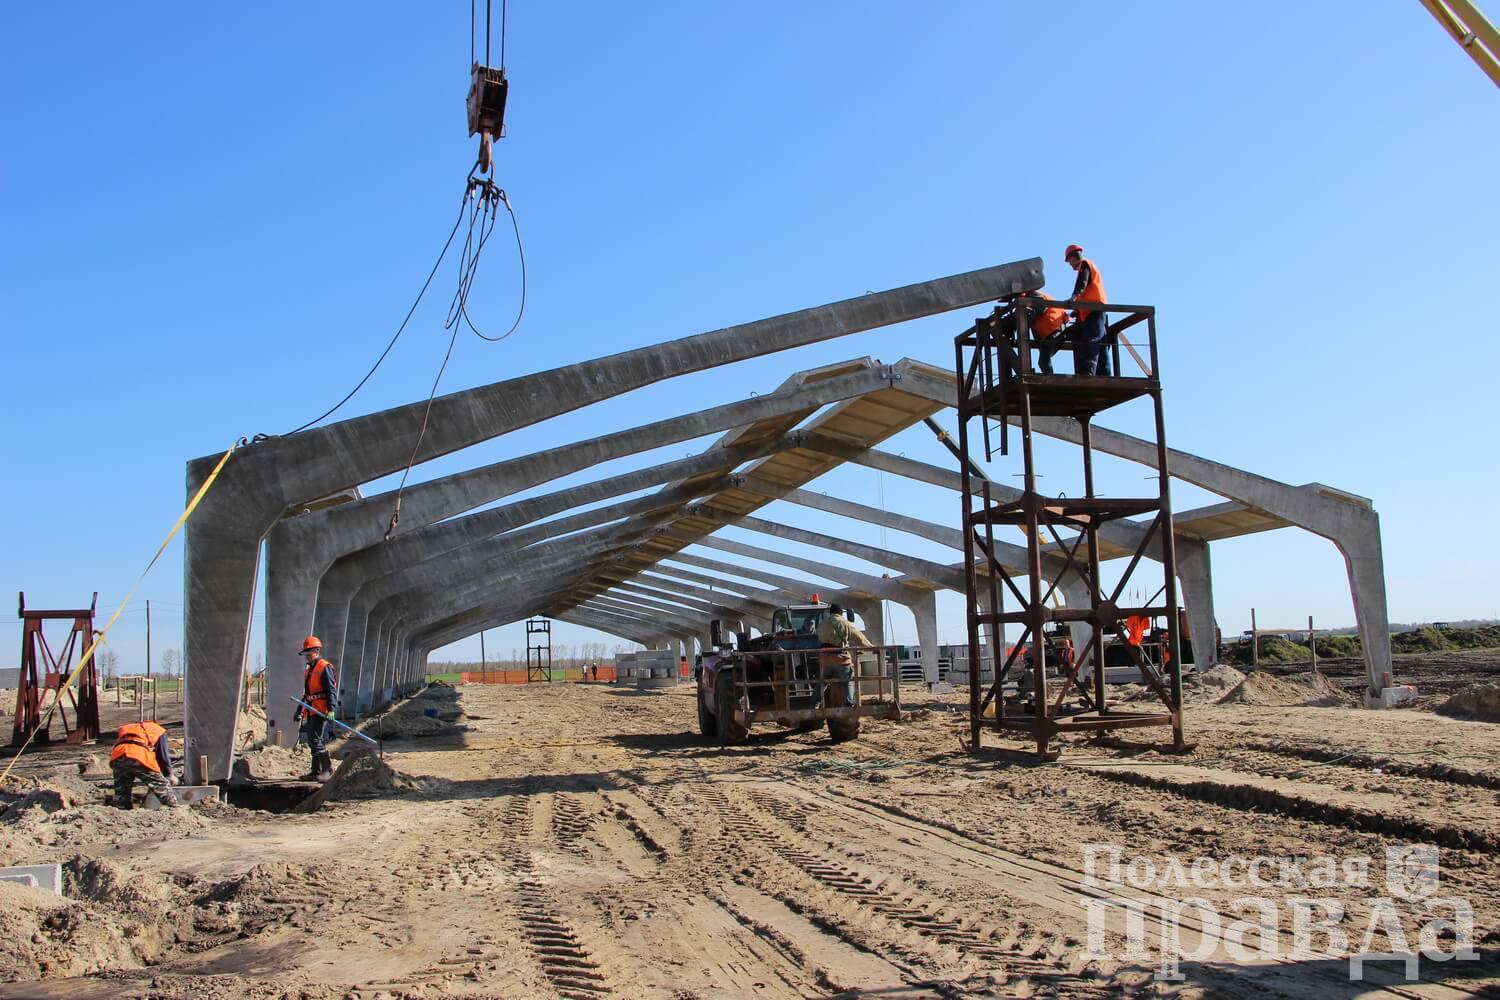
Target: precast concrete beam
x=1348, y=521
x=374, y=573
x=669, y=576
x=301, y=550
x=651, y=611
x=713, y=608
x=656, y=610
x=855, y=581
x=916, y=568
x=355, y=569
x=612, y=628
x=479, y=619
x=542, y=561
x=222, y=540
x=791, y=402
x=498, y=556
x=441, y=605
x=750, y=600
x=789, y=591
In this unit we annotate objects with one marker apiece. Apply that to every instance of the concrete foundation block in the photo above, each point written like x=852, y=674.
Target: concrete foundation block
x=47, y=877
x=1391, y=696
x=186, y=795
x=655, y=682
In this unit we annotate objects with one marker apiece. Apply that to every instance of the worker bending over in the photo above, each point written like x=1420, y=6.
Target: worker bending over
x=1046, y=324
x=1089, y=347
x=320, y=689
x=836, y=634
x=141, y=754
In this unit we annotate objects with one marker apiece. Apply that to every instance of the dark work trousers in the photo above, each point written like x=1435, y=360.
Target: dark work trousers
x=1090, y=352
x=314, y=732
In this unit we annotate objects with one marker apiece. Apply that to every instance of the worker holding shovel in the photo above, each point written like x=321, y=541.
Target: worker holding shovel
x=319, y=692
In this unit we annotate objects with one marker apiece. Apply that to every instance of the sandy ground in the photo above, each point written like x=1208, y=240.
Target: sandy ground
x=582, y=841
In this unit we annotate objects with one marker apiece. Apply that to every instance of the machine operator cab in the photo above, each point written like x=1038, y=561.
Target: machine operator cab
x=798, y=620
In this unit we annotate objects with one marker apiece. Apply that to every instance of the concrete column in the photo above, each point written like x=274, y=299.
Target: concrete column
x=1195, y=572
x=924, y=610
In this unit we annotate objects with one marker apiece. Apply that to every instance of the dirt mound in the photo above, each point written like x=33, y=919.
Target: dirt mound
x=98, y=881
x=270, y=879
x=1223, y=677
x=269, y=764
x=251, y=730
x=362, y=775
x=410, y=725
x=45, y=799
x=109, y=918
x=433, y=711
x=36, y=834
x=1477, y=701
x=65, y=780
x=1311, y=690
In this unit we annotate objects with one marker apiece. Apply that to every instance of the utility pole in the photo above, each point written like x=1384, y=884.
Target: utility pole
x=149, y=682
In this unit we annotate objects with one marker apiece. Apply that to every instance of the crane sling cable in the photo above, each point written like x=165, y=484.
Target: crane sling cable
x=99, y=636
x=482, y=198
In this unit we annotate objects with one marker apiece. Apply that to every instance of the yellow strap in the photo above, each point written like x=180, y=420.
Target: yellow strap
x=88, y=654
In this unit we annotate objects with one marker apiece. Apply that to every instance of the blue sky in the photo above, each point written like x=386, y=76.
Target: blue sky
x=215, y=217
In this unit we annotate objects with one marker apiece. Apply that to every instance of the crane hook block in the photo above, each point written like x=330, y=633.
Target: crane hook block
x=487, y=101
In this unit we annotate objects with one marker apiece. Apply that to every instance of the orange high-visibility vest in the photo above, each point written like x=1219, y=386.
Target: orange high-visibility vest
x=1048, y=321
x=1136, y=624
x=313, y=691
x=137, y=740
x=1093, y=291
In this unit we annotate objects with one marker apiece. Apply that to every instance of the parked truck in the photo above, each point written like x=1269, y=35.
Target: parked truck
x=777, y=677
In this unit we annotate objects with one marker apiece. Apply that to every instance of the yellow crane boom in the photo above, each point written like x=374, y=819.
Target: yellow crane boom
x=1472, y=31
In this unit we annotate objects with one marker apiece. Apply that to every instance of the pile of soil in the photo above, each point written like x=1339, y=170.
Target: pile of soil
x=108, y=918
x=68, y=781
x=270, y=764
x=1311, y=690
x=33, y=835
x=363, y=775
x=1477, y=701
x=433, y=711
x=251, y=730
x=1222, y=677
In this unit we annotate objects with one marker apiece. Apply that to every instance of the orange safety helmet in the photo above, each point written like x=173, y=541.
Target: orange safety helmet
x=311, y=642
x=1072, y=249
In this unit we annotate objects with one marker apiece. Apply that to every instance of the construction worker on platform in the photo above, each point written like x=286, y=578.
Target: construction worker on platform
x=1045, y=325
x=1089, y=347
x=141, y=754
x=320, y=689
x=836, y=634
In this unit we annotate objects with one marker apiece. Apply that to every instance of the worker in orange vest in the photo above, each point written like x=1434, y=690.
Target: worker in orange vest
x=141, y=754
x=320, y=690
x=1089, y=349
x=1046, y=324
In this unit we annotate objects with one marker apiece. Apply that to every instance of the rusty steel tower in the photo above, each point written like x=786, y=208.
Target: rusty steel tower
x=998, y=386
